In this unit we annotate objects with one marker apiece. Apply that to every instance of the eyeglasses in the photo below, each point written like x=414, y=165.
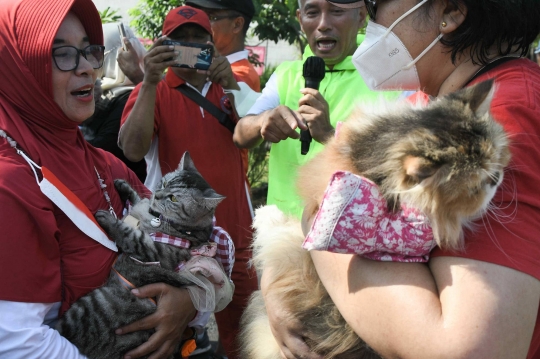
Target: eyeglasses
x=371, y=6
x=66, y=58
x=214, y=18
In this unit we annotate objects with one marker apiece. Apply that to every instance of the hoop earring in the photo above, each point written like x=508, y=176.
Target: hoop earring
x=443, y=24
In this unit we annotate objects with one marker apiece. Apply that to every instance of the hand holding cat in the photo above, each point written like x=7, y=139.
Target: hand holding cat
x=315, y=112
x=280, y=123
x=174, y=312
x=287, y=330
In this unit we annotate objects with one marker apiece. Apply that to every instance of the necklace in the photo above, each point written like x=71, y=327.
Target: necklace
x=490, y=65
x=105, y=193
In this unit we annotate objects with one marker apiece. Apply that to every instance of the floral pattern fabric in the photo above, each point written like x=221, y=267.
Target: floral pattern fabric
x=353, y=218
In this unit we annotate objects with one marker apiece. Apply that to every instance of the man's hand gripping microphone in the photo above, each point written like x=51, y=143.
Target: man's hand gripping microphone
x=313, y=73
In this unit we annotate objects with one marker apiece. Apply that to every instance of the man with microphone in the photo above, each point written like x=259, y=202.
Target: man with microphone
x=287, y=106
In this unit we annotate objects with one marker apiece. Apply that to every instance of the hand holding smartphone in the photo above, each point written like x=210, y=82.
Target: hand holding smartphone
x=123, y=35
x=192, y=55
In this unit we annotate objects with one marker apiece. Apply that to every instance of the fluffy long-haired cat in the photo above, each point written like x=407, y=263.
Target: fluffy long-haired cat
x=184, y=208
x=445, y=159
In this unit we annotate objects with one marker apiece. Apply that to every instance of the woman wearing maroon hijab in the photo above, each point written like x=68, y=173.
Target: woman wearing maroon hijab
x=50, y=51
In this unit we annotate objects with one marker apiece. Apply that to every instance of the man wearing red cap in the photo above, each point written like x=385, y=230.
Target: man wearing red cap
x=160, y=123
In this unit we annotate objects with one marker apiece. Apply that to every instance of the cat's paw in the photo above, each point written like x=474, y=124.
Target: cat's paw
x=126, y=192
x=105, y=219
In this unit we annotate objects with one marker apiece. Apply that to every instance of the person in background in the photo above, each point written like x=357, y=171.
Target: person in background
x=285, y=106
x=101, y=130
x=481, y=302
x=47, y=262
x=161, y=123
x=230, y=21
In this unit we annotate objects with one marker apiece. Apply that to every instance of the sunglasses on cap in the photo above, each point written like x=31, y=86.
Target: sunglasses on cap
x=371, y=7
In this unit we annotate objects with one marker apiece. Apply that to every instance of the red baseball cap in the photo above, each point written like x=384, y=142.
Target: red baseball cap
x=185, y=15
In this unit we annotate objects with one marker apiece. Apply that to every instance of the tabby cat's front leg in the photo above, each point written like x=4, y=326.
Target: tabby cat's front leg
x=130, y=240
x=126, y=192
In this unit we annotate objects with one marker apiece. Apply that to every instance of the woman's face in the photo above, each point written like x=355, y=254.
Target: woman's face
x=73, y=90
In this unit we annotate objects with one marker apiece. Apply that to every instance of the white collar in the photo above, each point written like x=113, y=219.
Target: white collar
x=238, y=56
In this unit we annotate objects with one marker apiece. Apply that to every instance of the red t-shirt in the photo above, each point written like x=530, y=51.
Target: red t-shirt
x=180, y=126
x=509, y=237
x=47, y=257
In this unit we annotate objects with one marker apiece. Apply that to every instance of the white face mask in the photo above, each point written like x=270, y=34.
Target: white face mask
x=383, y=60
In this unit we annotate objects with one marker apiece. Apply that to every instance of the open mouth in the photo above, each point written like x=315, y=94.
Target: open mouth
x=326, y=45
x=84, y=92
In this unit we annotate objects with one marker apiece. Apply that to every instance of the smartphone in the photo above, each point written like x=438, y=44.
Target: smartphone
x=192, y=55
x=123, y=34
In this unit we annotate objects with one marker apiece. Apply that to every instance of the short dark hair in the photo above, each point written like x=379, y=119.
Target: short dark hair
x=506, y=25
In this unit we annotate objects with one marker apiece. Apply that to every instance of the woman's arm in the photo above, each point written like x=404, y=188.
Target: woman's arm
x=23, y=334
x=455, y=308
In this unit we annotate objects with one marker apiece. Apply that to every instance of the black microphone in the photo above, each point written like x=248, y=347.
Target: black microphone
x=313, y=74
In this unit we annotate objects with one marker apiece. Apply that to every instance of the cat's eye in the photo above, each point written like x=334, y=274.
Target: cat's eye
x=173, y=199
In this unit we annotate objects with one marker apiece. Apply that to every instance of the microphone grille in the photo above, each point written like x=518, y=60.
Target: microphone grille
x=314, y=68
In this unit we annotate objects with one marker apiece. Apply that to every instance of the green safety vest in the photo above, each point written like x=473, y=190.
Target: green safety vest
x=342, y=89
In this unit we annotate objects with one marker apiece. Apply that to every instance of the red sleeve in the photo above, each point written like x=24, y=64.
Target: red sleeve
x=508, y=234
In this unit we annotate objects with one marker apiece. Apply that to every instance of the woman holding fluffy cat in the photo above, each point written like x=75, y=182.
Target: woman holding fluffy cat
x=50, y=52
x=481, y=302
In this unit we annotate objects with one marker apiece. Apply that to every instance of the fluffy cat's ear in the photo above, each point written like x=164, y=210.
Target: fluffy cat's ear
x=419, y=168
x=186, y=163
x=480, y=97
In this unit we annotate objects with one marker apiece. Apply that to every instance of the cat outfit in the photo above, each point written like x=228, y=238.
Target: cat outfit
x=353, y=218
x=341, y=88
x=46, y=262
x=181, y=125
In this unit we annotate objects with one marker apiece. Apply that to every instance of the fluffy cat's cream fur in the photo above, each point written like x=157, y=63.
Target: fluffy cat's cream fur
x=445, y=159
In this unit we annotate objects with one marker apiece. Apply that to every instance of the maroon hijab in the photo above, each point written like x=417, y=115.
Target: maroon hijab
x=28, y=112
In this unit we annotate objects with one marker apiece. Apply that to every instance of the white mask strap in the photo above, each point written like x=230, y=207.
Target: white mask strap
x=423, y=52
x=404, y=16
x=13, y=144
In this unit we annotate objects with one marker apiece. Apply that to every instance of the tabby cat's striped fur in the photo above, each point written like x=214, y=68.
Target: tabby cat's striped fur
x=189, y=203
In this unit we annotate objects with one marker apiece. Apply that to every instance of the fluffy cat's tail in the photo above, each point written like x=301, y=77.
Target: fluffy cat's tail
x=276, y=248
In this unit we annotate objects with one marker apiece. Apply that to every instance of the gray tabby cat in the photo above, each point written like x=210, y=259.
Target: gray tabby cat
x=184, y=207
x=445, y=159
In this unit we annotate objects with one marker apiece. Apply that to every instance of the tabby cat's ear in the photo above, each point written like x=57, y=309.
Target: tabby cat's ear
x=186, y=163
x=212, y=199
x=419, y=168
x=480, y=97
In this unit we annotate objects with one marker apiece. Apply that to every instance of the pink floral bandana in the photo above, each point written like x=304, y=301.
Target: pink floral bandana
x=353, y=218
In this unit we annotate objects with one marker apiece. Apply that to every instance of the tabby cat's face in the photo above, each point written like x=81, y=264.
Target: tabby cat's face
x=186, y=198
